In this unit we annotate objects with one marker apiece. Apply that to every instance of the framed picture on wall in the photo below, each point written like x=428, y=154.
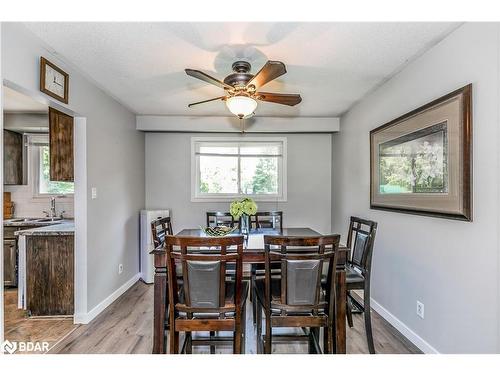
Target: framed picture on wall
x=53, y=80
x=421, y=162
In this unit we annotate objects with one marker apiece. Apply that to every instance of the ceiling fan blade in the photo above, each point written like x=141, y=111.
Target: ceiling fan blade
x=271, y=70
x=205, y=77
x=286, y=99
x=206, y=101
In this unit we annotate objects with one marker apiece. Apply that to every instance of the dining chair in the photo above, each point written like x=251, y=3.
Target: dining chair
x=160, y=228
x=210, y=299
x=297, y=297
x=360, y=241
x=215, y=218
x=268, y=219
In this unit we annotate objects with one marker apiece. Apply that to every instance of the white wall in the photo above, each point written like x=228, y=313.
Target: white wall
x=168, y=181
x=115, y=163
x=451, y=266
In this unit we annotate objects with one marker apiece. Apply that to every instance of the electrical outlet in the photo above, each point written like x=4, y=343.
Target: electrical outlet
x=94, y=193
x=120, y=268
x=420, y=309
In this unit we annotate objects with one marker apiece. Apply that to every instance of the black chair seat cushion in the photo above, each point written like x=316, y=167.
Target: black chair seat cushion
x=353, y=276
x=354, y=279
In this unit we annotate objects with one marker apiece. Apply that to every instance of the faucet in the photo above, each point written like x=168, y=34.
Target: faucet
x=52, y=213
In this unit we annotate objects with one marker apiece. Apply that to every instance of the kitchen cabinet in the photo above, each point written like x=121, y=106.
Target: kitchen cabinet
x=50, y=274
x=14, y=155
x=10, y=262
x=61, y=146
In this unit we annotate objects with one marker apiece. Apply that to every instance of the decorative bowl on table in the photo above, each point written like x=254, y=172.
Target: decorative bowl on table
x=218, y=231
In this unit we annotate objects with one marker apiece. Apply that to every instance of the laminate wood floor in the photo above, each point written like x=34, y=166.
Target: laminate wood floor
x=127, y=327
x=18, y=327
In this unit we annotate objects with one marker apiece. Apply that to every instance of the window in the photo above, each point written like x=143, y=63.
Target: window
x=45, y=186
x=225, y=169
x=40, y=162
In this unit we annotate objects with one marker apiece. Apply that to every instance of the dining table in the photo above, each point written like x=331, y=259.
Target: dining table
x=253, y=253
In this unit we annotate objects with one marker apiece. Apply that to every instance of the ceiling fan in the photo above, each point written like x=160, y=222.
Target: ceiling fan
x=241, y=87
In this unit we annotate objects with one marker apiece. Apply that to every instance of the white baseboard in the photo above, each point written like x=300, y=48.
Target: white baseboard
x=88, y=317
x=419, y=342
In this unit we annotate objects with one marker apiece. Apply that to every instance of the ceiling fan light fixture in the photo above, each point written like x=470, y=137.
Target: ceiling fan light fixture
x=241, y=106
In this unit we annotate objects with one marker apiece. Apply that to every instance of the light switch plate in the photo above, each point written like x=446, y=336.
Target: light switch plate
x=420, y=309
x=94, y=193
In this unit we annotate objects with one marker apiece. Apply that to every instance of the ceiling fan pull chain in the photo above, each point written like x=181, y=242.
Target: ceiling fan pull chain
x=242, y=125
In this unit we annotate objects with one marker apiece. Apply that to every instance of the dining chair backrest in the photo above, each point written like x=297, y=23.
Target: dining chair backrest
x=360, y=240
x=302, y=260
x=203, y=271
x=160, y=228
x=216, y=218
x=269, y=219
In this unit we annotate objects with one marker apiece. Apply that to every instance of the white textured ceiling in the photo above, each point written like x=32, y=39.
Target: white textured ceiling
x=332, y=65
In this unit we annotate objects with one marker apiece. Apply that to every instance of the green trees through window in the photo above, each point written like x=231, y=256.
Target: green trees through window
x=263, y=179
x=46, y=186
x=249, y=168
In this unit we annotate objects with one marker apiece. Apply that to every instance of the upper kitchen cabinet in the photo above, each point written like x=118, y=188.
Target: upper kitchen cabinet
x=61, y=146
x=14, y=153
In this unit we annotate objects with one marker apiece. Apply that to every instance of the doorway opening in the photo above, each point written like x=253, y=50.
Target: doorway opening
x=44, y=202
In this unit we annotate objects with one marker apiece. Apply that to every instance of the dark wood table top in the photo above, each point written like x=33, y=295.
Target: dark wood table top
x=253, y=247
x=256, y=236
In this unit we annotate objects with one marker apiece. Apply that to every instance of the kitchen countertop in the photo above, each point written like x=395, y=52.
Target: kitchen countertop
x=64, y=227
x=29, y=223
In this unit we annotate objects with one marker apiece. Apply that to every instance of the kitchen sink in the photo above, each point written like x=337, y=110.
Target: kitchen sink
x=23, y=220
x=49, y=220
x=35, y=220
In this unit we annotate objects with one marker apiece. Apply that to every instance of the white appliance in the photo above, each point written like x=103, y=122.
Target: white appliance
x=147, y=260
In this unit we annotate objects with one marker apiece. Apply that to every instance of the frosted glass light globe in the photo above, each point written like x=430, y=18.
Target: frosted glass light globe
x=241, y=106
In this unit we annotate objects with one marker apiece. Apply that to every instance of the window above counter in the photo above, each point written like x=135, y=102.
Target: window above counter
x=39, y=150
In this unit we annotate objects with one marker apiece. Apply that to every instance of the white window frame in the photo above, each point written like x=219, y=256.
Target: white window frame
x=197, y=196
x=34, y=173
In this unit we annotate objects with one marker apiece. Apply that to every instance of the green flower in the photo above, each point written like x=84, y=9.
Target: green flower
x=249, y=207
x=246, y=206
x=236, y=209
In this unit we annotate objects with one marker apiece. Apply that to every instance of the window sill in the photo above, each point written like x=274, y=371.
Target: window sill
x=231, y=199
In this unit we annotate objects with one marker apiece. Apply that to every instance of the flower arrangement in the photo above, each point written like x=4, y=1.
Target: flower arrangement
x=246, y=206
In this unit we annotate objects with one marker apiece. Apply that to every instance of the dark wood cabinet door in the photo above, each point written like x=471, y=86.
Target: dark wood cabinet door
x=13, y=158
x=50, y=275
x=61, y=146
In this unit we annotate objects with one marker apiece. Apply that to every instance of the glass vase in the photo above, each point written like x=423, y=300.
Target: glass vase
x=245, y=225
